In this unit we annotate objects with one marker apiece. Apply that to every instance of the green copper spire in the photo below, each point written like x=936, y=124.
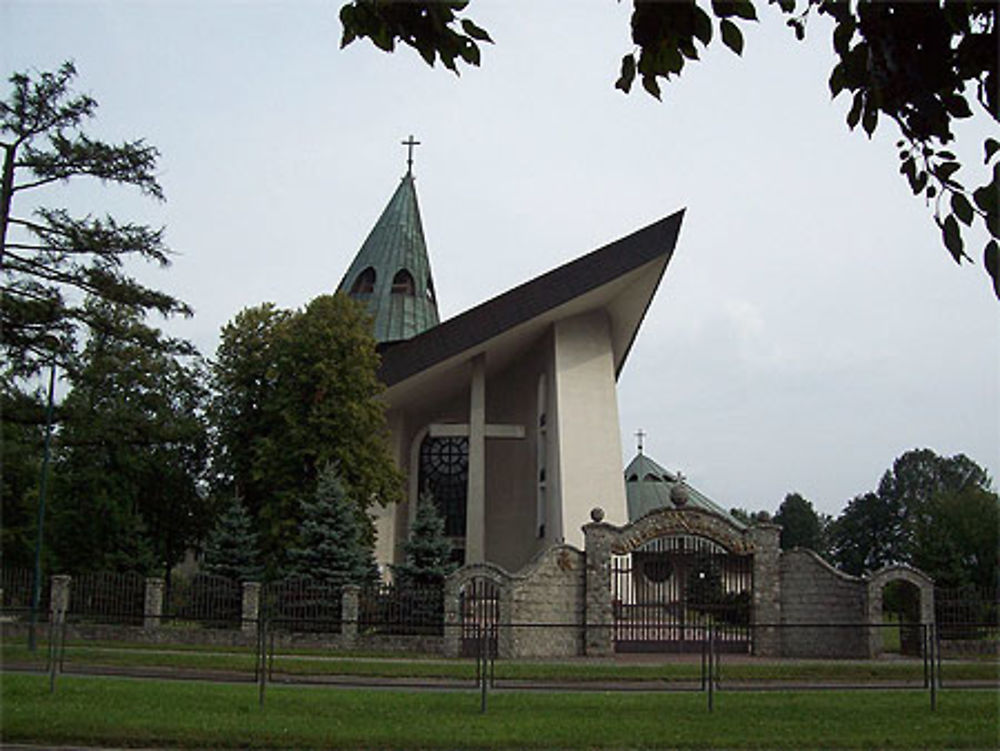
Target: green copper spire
x=392, y=273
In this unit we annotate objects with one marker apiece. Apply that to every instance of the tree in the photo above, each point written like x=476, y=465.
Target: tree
x=917, y=63
x=49, y=259
x=132, y=452
x=956, y=539
x=297, y=391
x=801, y=526
x=923, y=513
x=332, y=547
x=428, y=552
x=231, y=549
x=868, y=535
x=750, y=517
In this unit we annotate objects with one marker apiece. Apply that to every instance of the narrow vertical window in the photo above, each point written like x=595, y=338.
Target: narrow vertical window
x=541, y=456
x=365, y=283
x=403, y=284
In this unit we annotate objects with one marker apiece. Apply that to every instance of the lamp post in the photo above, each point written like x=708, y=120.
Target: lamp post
x=36, y=588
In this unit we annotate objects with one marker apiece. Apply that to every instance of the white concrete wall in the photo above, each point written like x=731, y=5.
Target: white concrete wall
x=590, y=472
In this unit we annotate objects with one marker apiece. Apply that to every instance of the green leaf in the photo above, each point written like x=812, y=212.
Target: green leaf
x=956, y=105
x=990, y=146
x=836, y=80
x=961, y=207
x=870, y=120
x=842, y=36
x=855, y=114
x=476, y=32
x=649, y=84
x=985, y=197
x=787, y=6
x=745, y=9
x=952, y=238
x=945, y=170
x=627, y=76
x=991, y=260
x=731, y=36
x=702, y=25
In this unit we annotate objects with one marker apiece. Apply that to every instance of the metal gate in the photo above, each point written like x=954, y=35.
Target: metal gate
x=667, y=592
x=479, y=604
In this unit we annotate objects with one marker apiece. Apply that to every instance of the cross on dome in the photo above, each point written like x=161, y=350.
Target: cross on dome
x=409, y=144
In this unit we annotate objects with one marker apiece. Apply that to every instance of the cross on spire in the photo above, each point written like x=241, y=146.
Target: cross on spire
x=640, y=434
x=409, y=144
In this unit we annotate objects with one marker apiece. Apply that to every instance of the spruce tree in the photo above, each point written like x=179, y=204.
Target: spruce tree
x=231, y=550
x=428, y=551
x=331, y=547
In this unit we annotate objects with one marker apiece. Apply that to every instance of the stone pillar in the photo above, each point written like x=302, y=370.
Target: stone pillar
x=598, y=614
x=251, y=607
x=349, y=615
x=152, y=608
x=475, y=515
x=766, y=589
x=452, y=618
x=59, y=597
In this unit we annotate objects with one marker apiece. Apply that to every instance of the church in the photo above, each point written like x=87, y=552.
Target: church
x=506, y=413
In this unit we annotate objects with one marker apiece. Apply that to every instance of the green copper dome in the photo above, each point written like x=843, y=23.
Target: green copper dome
x=392, y=273
x=648, y=487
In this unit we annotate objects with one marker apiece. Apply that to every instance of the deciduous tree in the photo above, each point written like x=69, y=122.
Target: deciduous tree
x=295, y=392
x=801, y=526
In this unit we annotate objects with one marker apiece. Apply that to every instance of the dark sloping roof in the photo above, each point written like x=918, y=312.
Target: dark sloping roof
x=531, y=300
x=394, y=249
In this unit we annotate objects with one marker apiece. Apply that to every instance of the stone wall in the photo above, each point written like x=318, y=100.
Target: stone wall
x=814, y=594
x=549, y=593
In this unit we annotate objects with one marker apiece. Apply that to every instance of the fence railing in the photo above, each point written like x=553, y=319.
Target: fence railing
x=206, y=600
x=17, y=587
x=401, y=611
x=109, y=597
x=302, y=604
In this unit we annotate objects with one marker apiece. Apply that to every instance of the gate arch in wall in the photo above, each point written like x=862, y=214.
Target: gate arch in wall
x=877, y=583
x=674, y=573
x=481, y=597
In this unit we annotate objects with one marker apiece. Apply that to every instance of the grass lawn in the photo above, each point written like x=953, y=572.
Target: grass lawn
x=126, y=712
x=312, y=663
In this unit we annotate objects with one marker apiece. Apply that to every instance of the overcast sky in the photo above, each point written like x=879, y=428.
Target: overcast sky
x=809, y=329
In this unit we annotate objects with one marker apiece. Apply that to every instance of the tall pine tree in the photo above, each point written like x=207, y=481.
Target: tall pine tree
x=332, y=547
x=231, y=550
x=428, y=551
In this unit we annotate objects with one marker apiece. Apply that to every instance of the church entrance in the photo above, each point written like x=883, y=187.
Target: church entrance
x=668, y=591
x=444, y=472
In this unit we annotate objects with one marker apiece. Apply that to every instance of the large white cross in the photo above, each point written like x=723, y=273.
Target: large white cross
x=477, y=430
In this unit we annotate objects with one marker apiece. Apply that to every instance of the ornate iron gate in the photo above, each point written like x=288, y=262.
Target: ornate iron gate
x=479, y=604
x=669, y=590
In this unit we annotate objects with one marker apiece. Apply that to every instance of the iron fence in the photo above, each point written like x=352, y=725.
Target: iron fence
x=968, y=613
x=401, y=611
x=17, y=587
x=206, y=600
x=303, y=605
x=107, y=597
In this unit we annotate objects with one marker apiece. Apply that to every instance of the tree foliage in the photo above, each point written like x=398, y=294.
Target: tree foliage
x=917, y=63
x=801, y=526
x=296, y=391
x=332, y=546
x=51, y=260
x=132, y=452
x=231, y=548
x=934, y=512
x=428, y=552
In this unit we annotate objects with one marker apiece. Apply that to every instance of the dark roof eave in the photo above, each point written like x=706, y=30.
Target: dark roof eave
x=403, y=359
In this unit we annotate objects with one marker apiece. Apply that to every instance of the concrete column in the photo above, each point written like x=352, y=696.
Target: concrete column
x=59, y=597
x=349, y=614
x=598, y=615
x=153, y=604
x=452, y=618
x=766, y=589
x=251, y=606
x=475, y=510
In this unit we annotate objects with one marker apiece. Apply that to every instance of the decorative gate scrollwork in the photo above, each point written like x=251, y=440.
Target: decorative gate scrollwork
x=479, y=605
x=668, y=591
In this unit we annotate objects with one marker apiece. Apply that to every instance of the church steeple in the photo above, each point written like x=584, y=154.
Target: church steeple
x=391, y=272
